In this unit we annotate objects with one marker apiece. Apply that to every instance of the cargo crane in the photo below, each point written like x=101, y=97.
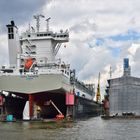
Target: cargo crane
x=98, y=95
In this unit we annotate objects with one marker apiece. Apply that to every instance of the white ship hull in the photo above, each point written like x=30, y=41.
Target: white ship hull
x=30, y=84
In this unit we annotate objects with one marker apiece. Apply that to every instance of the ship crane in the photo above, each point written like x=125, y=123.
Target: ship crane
x=98, y=95
x=37, y=17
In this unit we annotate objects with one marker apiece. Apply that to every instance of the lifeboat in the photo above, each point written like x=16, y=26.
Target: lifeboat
x=28, y=63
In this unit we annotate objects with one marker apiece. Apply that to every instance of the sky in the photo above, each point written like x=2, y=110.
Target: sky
x=102, y=33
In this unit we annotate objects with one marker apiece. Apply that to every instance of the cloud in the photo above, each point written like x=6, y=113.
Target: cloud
x=101, y=32
x=19, y=10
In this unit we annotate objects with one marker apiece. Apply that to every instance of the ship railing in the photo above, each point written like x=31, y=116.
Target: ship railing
x=9, y=74
x=56, y=36
x=48, y=69
x=85, y=95
x=64, y=68
x=83, y=87
x=54, y=71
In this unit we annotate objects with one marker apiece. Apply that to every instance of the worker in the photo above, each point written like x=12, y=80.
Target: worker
x=37, y=111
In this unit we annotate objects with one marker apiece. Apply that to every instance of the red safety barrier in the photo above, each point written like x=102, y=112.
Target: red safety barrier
x=1, y=100
x=69, y=99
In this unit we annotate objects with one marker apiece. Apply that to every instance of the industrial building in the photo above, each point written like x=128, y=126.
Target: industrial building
x=124, y=93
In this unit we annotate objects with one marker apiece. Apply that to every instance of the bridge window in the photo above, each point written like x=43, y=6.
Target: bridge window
x=10, y=30
x=11, y=36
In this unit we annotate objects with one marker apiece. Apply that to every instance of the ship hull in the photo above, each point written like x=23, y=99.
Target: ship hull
x=38, y=90
x=86, y=108
x=30, y=84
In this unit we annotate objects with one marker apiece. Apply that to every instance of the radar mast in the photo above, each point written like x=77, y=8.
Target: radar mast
x=37, y=17
x=47, y=24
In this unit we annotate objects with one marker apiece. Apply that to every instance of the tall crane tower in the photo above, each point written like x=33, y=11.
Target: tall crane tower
x=98, y=95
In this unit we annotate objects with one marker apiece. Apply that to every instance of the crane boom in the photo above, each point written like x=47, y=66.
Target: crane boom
x=55, y=107
x=98, y=95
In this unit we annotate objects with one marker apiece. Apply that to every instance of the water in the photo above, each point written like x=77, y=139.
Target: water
x=89, y=129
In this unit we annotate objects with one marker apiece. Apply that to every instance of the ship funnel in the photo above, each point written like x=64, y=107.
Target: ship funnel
x=126, y=67
x=13, y=43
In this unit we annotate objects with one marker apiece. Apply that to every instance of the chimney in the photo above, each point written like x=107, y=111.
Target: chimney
x=126, y=67
x=13, y=43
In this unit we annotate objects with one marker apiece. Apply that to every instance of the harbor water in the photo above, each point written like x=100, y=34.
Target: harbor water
x=88, y=129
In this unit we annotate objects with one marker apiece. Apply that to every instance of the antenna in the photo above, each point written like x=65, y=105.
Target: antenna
x=33, y=30
x=37, y=17
x=47, y=25
x=29, y=28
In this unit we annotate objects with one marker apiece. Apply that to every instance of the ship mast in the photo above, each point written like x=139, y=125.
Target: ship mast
x=37, y=17
x=47, y=24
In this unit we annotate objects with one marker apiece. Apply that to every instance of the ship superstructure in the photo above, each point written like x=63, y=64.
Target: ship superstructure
x=36, y=76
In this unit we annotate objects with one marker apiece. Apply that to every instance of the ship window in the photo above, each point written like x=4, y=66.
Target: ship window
x=33, y=52
x=11, y=36
x=10, y=30
x=28, y=35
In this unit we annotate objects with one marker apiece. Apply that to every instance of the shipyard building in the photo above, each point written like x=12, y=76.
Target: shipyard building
x=124, y=93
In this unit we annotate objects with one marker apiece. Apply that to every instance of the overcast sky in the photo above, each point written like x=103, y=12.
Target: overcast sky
x=102, y=32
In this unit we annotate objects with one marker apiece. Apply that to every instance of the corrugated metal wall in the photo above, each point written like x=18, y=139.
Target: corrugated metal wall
x=124, y=95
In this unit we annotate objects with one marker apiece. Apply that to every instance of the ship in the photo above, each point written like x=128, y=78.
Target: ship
x=37, y=85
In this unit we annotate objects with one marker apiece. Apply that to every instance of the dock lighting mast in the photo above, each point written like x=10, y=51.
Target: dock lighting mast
x=37, y=17
x=98, y=95
x=47, y=24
